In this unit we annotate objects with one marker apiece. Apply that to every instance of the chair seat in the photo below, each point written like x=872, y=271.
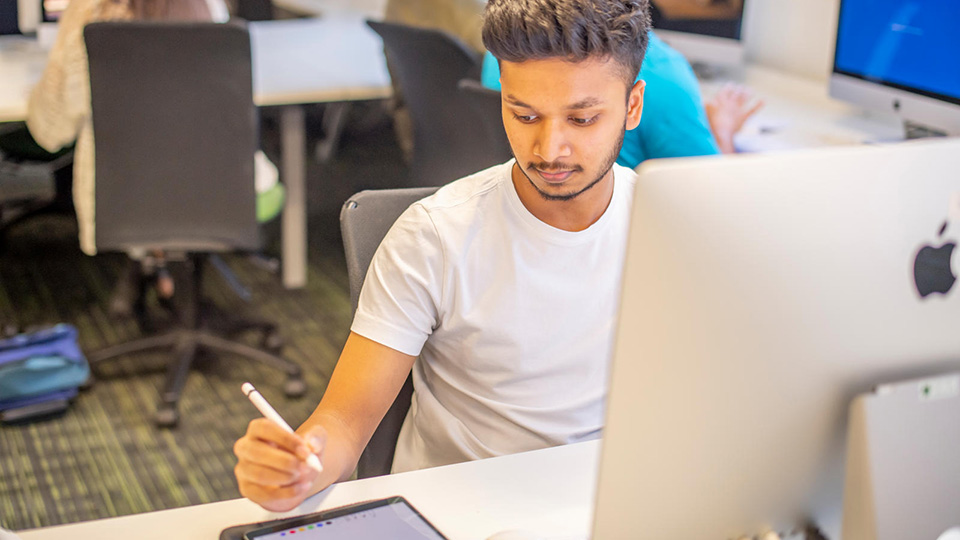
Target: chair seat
x=26, y=181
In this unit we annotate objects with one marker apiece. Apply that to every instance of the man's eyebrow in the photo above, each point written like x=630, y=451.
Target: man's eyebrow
x=585, y=103
x=510, y=98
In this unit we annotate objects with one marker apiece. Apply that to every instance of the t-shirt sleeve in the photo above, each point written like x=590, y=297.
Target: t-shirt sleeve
x=399, y=302
x=674, y=122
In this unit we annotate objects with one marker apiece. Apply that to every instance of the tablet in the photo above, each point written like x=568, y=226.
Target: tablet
x=392, y=517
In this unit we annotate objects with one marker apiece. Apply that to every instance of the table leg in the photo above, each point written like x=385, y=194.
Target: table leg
x=294, y=220
x=334, y=117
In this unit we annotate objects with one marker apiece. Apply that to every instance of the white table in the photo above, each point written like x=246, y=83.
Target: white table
x=549, y=492
x=295, y=62
x=21, y=65
x=798, y=113
x=371, y=9
x=299, y=61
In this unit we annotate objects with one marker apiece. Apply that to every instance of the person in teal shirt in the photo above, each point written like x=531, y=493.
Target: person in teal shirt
x=675, y=122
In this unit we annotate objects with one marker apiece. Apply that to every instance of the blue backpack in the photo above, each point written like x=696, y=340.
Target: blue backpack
x=41, y=365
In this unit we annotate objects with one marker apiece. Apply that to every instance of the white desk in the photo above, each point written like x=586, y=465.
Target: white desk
x=300, y=61
x=798, y=113
x=371, y=9
x=295, y=62
x=549, y=492
x=21, y=65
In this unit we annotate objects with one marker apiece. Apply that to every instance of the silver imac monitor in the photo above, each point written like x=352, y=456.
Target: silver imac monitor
x=706, y=32
x=28, y=15
x=901, y=56
x=761, y=294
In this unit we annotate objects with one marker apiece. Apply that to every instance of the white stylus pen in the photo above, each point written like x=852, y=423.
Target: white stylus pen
x=271, y=414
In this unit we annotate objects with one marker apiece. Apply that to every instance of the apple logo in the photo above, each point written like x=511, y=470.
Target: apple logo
x=950, y=534
x=931, y=268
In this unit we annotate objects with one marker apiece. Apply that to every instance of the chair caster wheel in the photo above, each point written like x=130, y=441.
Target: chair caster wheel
x=294, y=388
x=273, y=342
x=166, y=417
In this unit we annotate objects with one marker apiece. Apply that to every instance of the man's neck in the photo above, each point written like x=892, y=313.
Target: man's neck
x=573, y=215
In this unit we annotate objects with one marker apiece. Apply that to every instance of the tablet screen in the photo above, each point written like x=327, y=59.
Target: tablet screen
x=387, y=518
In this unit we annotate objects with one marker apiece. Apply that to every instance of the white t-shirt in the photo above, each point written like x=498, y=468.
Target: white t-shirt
x=512, y=319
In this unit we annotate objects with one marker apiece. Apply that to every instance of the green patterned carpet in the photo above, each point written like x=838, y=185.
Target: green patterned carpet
x=105, y=457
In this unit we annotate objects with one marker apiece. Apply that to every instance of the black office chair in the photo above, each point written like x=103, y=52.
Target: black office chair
x=448, y=141
x=364, y=220
x=487, y=107
x=30, y=185
x=255, y=10
x=175, y=128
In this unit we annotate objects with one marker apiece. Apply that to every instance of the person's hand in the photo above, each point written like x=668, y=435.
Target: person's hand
x=271, y=469
x=727, y=110
x=766, y=536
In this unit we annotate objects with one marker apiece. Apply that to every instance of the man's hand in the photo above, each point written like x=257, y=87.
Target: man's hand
x=727, y=110
x=272, y=471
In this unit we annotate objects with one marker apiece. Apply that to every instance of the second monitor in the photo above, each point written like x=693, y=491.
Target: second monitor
x=706, y=32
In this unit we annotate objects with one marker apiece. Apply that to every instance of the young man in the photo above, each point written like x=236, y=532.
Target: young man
x=505, y=284
x=677, y=122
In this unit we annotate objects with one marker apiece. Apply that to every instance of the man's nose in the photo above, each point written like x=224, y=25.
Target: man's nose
x=551, y=143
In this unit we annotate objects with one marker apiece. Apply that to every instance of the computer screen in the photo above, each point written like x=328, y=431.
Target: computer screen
x=8, y=17
x=901, y=55
x=385, y=518
x=761, y=293
x=705, y=31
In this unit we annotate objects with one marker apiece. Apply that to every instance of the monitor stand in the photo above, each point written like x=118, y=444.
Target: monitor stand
x=47, y=34
x=902, y=461
x=913, y=130
x=716, y=72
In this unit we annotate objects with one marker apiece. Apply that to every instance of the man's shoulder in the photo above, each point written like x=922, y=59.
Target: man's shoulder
x=469, y=191
x=667, y=67
x=624, y=175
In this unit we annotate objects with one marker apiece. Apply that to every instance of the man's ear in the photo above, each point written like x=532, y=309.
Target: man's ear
x=635, y=104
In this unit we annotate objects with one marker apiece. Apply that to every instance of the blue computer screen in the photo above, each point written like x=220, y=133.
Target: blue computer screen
x=908, y=43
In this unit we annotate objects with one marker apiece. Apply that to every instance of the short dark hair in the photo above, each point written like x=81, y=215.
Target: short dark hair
x=575, y=30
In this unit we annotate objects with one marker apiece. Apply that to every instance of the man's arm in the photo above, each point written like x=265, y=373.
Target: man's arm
x=366, y=380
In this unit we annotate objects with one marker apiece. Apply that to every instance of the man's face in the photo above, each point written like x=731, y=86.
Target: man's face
x=566, y=120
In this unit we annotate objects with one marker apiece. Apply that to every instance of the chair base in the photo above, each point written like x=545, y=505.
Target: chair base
x=186, y=344
x=204, y=328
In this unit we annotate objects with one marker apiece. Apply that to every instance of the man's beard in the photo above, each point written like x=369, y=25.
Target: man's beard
x=607, y=165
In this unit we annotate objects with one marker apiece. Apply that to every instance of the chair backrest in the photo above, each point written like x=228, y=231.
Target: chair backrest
x=364, y=220
x=487, y=107
x=175, y=132
x=448, y=140
x=255, y=10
